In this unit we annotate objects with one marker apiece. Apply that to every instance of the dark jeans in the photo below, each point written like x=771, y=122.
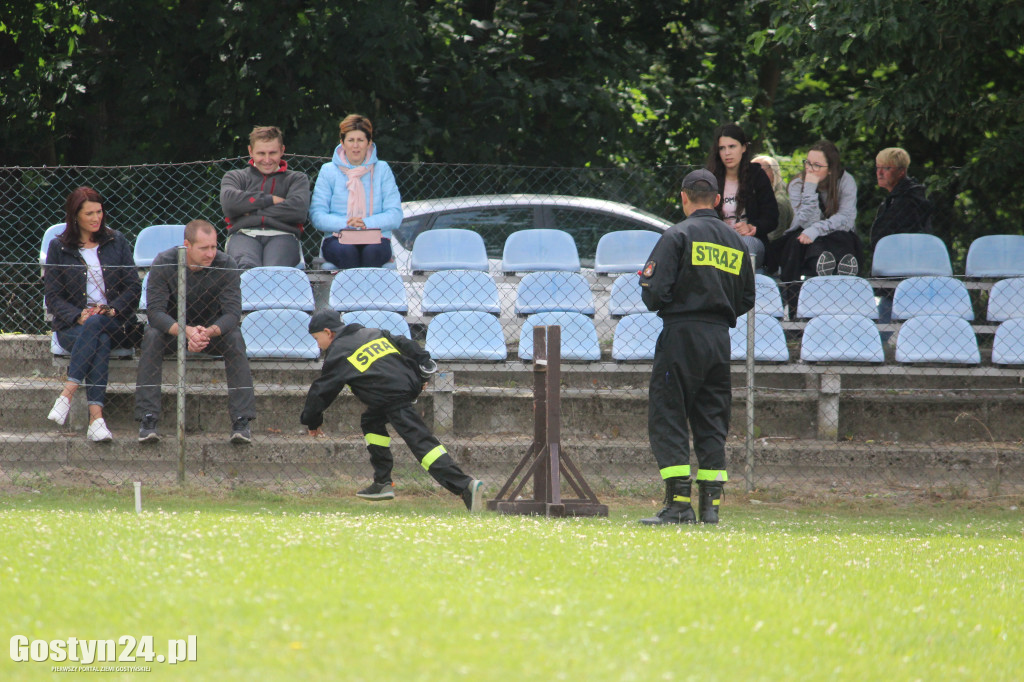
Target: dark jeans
x=89, y=344
x=417, y=436
x=155, y=344
x=346, y=256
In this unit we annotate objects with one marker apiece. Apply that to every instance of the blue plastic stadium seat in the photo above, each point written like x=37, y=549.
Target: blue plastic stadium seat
x=937, y=338
x=468, y=335
x=276, y=287
x=769, y=340
x=625, y=296
x=450, y=290
x=996, y=255
x=384, y=320
x=768, y=299
x=57, y=349
x=636, y=337
x=624, y=251
x=48, y=236
x=540, y=249
x=1006, y=300
x=280, y=334
x=448, y=249
x=837, y=295
x=579, y=338
x=368, y=289
x=543, y=291
x=154, y=239
x=917, y=296
x=1008, y=343
x=841, y=338
x=910, y=255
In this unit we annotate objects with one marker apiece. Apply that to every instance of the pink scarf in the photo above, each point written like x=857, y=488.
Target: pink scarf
x=358, y=207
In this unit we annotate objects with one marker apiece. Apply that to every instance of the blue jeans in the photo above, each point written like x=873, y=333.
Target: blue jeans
x=89, y=344
x=345, y=256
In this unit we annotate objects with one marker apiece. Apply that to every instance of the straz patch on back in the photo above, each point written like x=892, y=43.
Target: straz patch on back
x=717, y=256
x=369, y=353
x=649, y=269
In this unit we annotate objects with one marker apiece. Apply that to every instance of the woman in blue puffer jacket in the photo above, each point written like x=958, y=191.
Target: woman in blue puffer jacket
x=355, y=191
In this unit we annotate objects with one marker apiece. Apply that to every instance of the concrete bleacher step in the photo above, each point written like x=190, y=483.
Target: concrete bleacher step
x=302, y=464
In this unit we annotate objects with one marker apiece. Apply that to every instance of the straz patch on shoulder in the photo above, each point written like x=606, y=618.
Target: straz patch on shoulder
x=649, y=269
x=369, y=353
x=717, y=256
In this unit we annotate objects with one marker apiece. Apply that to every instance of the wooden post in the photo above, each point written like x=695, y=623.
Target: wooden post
x=544, y=461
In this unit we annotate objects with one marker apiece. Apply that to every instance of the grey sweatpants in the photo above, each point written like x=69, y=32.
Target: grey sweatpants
x=254, y=252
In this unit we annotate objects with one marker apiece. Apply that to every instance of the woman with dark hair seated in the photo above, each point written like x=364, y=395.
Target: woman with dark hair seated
x=92, y=291
x=748, y=202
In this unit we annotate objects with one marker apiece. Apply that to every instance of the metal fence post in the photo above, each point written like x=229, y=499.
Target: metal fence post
x=748, y=468
x=182, y=347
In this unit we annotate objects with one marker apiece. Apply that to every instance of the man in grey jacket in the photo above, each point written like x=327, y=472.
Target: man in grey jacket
x=213, y=300
x=265, y=204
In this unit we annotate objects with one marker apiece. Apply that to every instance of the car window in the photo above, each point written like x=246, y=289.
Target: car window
x=493, y=224
x=587, y=228
x=407, y=231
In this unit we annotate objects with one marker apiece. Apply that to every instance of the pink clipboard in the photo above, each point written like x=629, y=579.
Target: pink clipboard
x=367, y=236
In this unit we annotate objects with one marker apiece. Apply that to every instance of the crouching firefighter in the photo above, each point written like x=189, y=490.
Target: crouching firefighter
x=698, y=279
x=386, y=372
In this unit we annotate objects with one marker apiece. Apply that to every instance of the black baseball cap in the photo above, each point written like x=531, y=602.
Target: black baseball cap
x=325, y=319
x=693, y=178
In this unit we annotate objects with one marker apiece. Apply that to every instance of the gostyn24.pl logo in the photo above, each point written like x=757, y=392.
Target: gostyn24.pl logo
x=126, y=649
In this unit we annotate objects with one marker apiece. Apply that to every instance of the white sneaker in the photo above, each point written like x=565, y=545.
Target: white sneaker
x=60, y=410
x=98, y=432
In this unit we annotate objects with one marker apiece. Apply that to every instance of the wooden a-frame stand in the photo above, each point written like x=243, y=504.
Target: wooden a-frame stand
x=544, y=461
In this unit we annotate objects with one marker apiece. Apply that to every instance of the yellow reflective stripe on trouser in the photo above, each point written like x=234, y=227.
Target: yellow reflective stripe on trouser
x=712, y=475
x=376, y=439
x=432, y=456
x=675, y=472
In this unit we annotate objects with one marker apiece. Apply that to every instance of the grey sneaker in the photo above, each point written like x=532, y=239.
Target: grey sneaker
x=240, y=433
x=147, y=430
x=473, y=496
x=378, y=491
x=826, y=264
x=847, y=265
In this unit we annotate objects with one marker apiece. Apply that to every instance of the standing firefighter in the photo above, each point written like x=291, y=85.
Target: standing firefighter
x=699, y=280
x=386, y=372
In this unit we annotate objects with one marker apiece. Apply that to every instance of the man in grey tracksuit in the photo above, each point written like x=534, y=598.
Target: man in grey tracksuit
x=265, y=205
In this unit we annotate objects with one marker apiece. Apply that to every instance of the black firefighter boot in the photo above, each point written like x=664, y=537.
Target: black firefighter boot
x=677, y=504
x=710, y=499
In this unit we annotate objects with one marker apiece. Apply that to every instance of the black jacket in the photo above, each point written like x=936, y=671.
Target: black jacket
x=213, y=295
x=381, y=368
x=905, y=209
x=699, y=270
x=64, y=280
x=760, y=207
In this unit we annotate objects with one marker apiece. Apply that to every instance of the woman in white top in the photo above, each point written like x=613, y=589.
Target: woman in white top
x=92, y=292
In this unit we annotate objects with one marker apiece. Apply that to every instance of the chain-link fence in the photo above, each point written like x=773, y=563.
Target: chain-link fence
x=855, y=384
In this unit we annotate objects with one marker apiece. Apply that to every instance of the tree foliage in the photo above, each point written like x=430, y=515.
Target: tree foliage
x=540, y=82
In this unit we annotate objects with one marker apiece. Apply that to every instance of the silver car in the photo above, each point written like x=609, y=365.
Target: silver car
x=496, y=216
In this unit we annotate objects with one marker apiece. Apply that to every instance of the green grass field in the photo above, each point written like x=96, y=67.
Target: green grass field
x=339, y=589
